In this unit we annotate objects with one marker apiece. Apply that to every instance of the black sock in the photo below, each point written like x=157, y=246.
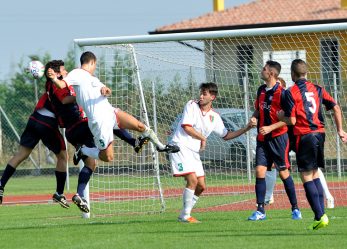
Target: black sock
x=260, y=189
x=61, y=179
x=125, y=136
x=83, y=179
x=320, y=190
x=8, y=172
x=313, y=199
x=290, y=190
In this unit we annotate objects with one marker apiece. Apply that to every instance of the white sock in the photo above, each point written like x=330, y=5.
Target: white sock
x=270, y=179
x=195, y=200
x=90, y=152
x=153, y=137
x=324, y=184
x=187, y=203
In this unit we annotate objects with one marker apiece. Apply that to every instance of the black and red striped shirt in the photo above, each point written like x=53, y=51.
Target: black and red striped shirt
x=268, y=103
x=304, y=102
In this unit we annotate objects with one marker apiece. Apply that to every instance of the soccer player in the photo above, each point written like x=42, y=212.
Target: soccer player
x=272, y=140
x=197, y=123
x=91, y=95
x=42, y=125
x=71, y=117
x=303, y=109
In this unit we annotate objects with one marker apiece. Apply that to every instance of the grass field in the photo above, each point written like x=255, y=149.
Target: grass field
x=50, y=226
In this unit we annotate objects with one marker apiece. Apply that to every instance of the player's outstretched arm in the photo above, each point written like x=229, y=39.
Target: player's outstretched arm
x=233, y=134
x=267, y=129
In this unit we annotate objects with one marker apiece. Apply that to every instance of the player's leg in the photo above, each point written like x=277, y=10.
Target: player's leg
x=188, y=195
x=137, y=143
x=327, y=194
x=262, y=162
x=127, y=121
x=307, y=165
x=270, y=179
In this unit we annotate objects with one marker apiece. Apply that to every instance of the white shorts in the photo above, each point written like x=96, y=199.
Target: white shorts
x=185, y=162
x=102, y=129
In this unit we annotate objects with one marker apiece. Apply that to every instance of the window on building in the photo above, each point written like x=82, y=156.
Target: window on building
x=330, y=63
x=244, y=57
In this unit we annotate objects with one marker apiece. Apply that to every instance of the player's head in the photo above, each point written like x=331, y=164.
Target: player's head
x=58, y=67
x=298, y=69
x=208, y=93
x=271, y=70
x=282, y=82
x=88, y=61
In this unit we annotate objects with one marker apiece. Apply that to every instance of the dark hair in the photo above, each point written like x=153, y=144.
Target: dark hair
x=299, y=68
x=55, y=65
x=87, y=57
x=275, y=65
x=211, y=87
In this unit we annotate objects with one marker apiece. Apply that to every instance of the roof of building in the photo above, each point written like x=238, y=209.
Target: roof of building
x=263, y=13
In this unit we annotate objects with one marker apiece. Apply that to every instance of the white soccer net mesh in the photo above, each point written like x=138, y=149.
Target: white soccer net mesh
x=170, y=73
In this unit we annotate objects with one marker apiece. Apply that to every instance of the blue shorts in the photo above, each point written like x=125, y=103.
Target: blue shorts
x=80, y=134
x=275, y=150
x=40, y=127
x=310, y=154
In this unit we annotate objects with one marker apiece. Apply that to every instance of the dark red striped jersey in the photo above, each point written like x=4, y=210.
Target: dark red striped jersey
x=304, y=102
x=268, y=103
x=67, y=114
x=44, y=103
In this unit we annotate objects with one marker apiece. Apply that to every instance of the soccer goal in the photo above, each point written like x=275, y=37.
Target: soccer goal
x=153, y=76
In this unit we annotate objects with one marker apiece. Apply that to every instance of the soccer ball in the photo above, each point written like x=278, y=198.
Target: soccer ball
x=37, y=69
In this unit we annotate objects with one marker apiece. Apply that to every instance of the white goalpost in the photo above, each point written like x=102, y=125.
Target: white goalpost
x=153, y=76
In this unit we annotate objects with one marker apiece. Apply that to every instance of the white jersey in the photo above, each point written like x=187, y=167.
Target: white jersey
x=203, y=122
x=88, y=95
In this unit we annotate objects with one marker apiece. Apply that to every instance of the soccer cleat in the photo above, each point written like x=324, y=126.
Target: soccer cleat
x=257, y=215
x=322, y=222
x=78, y=155
x=169, y=148
x=191, y=219
x=81, y=203
x=139, y=143
x=61, y=199
x=330, y=202
x=1, y=194
x=296, y=214
x=270, y=201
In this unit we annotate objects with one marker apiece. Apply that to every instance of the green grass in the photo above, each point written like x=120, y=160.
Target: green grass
x=50, y=226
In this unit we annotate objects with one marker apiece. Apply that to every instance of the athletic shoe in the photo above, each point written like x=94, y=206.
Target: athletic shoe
x=1, y=194
x=330, y=202
x=323, y=222
x=169, y=148
x=81, y=203
x=296, y=214
x=257, y=215
x=271, y=201
x=61, y=199
x=191, y=219
x=139, y=143
x=78, y=155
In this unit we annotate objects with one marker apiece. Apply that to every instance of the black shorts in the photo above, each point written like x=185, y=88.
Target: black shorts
x=40, y=127
x=310, y=154
x=275, y=150
x=80, y=134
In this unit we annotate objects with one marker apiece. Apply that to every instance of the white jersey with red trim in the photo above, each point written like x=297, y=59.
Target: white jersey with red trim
x=88, y=95
x=203, y=122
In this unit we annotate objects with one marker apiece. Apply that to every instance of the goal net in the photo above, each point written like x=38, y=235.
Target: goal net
x=153, y=77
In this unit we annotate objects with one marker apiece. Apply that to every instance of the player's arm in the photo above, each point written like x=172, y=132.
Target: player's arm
x=195, y=134
x=53, y=76
x=233, y=134
x=338, y=122
x=68, y=100
x=287, y=115
x=269, y=128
